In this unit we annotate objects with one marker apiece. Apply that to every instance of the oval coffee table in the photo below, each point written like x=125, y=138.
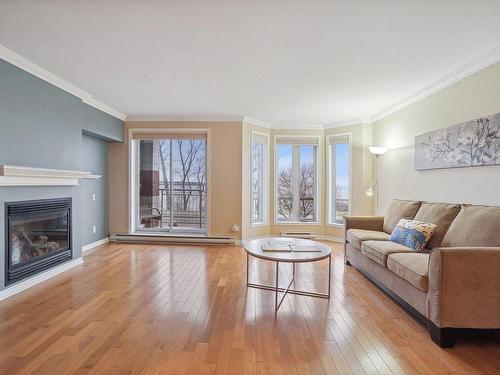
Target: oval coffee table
x=287, y=250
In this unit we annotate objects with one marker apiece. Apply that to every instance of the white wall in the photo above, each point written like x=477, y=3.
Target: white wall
x=475, y=96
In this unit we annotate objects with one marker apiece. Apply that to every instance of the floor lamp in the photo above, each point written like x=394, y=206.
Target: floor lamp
x=373, y=189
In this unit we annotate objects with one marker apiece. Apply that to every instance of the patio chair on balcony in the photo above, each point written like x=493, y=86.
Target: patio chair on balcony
x=150, y=216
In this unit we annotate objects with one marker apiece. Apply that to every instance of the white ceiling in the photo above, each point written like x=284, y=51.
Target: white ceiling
x=285, y=62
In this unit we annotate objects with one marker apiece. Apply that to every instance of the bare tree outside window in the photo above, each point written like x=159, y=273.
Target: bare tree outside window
x=307, y=192
x=188, y=168
x=285, y=194
x=296, y=194
x=257, y=165
x=184, y=198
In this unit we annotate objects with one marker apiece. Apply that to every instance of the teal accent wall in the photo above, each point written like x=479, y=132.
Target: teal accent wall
x=46, y=127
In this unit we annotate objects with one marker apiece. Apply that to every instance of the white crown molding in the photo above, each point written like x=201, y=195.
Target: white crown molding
x=89, y=100
x=185, y=119
x=340, y=124
x=464, y=71
x=253, y=121
x=298, y=126
x=483, y=61
x=30, y=67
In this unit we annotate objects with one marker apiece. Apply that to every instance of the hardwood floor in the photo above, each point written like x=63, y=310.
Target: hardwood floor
x=149, y=309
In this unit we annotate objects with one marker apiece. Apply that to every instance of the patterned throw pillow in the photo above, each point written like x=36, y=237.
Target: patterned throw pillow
x=413, y=234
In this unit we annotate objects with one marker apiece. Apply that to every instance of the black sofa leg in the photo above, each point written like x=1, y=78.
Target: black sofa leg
x=347, y=263
x=443, y=337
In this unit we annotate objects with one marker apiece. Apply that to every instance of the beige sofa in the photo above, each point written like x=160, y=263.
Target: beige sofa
x=453, y=286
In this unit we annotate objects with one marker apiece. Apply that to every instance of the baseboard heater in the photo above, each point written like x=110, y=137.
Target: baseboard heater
x=307, y=235
x=172, y=239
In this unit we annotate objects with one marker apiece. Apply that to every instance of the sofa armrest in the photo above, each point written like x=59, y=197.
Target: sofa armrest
x=464, y=287
x=364, y=222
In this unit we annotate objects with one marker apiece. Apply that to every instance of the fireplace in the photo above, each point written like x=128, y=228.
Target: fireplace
x=37, y=236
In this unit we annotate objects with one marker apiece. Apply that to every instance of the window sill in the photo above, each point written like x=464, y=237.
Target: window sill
x=297, y=223
x=335, y=225
x=258, y=224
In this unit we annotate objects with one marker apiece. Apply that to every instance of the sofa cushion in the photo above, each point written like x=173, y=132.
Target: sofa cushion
x=474, y=226
x=411, y=267
x=412, y=233
x=399, y=209
x=356, y=236
x=378, y=251
x=441, y=214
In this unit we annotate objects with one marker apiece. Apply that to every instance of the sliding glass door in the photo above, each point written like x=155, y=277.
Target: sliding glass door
x=172, y=179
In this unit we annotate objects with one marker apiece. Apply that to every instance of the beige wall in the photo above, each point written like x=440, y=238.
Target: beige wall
x=225, y=175
x=475, y=96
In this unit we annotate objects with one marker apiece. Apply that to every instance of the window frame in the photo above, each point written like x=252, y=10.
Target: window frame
x=317, y=187
x=264, y=180
x=133, y=170
x=330, y=171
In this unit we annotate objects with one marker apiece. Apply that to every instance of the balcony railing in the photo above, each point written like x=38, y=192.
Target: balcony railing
x=189, y=208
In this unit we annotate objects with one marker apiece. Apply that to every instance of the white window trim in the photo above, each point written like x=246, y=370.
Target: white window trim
x=265, y=182
x=133, y=176
x=329, y=177
x=317, y=187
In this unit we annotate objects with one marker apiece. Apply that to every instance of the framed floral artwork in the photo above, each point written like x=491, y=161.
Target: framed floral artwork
x=469, y=144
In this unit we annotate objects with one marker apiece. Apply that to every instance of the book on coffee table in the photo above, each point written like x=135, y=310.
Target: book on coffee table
x=305, y=249
x=276, y=249
x=277, y=245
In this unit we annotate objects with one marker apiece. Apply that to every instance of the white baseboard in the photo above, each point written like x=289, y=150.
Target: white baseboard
x=95, y=244
x=37, y=279
x=329, y=238
x=172, y=239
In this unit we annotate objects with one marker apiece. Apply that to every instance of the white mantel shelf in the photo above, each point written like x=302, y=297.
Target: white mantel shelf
x=11, y=175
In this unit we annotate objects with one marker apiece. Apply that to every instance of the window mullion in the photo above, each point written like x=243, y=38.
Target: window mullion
x=261, y=184
x=333, y=187
x=296, y=182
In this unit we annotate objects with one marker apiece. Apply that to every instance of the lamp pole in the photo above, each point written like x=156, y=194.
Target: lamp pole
x=377, y=151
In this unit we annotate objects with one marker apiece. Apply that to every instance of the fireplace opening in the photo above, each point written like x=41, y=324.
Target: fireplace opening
x=38, y=236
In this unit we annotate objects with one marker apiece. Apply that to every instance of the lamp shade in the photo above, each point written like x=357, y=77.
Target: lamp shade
x=369, y=192
x=376, y=150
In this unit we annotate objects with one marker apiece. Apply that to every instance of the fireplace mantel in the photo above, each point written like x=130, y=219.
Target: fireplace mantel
x=11, y=175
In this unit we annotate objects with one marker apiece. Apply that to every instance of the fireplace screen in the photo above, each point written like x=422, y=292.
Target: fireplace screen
x=38, y=235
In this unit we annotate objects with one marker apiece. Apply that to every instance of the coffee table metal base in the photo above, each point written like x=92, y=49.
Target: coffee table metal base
x=277, y=289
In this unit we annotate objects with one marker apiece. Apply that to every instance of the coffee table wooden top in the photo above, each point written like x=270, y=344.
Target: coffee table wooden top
x=255, y=248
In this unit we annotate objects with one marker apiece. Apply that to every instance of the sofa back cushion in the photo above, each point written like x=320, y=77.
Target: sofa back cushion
x=399, y=209
x=441, y=214
x=474, y=226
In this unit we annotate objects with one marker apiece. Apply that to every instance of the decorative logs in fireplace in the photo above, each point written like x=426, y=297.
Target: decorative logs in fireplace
x=26, y=248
